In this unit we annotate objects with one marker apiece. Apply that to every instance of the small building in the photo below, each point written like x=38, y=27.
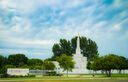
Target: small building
x=16, y=71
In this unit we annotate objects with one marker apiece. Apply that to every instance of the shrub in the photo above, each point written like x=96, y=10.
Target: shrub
x=14, y=76
x=53, y=73
x=4, y=69
x=5, y=75
x=17, y=76
x=59, y=74
x=31, y=75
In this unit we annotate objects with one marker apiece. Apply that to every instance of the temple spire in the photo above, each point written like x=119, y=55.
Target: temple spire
x=78, y=51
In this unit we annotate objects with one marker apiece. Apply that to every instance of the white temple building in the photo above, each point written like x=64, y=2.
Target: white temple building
x=79, y=59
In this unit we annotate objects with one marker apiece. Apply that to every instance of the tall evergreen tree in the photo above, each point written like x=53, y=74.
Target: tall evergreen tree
x=88, y=47
x=65, y=47
x=56, y=50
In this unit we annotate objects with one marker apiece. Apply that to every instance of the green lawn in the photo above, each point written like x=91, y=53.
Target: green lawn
x=62, y=79
x=115, y=77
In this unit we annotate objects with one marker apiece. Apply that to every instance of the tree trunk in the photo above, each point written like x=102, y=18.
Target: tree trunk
x=67, y=73
x=94, y=73
x=108, y=73
x=102, y=72
x=120, y=71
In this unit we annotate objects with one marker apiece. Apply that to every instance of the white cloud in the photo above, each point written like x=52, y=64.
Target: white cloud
x=118, y=26
x=29, y=53
x=5, y=4
x=26, y=31
x=99, y=25
x=120, y=3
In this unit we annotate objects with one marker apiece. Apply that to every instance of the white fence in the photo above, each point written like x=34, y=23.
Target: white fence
x=39, y=71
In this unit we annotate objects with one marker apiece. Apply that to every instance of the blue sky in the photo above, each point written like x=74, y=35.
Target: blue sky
x=32, y=27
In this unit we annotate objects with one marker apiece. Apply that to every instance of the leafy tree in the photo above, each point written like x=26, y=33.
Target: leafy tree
x=48, y=65
x=83, y=45
x=88, y=47
x=37, y=67
x=65, y=47
x=95, y=65
x=66, y=62
x=122, y=63
x=4, y=68
x=73, y=44
x=88, y=65
x=17, y=59
x=92, y=49
x=56, y=50
x=110, y=63
x=127, y=64
x=49, y=59
x=3, y=61
x=25, y=66
x=34, y=62
x=105, y=63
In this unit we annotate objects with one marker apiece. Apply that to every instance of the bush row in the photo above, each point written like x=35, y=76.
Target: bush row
x=14, y=76
x=53, y=73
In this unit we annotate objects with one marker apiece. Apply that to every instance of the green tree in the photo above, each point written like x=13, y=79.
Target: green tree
x=3, y=61
x=73, y=45
x=66, y=62
x=34, y=62
x=92, y=49
x=88, y=47
x=25, y=66
x=4, y=68
x=105, y=63
x=88, y=65
x=110, y=63
x=48, y=65
x=37, y=67
x=56, y=50
x=95, y=65
x=127, y=64
x=49, y=59
x=122, y=63
x=65, y=47
x=17, y=59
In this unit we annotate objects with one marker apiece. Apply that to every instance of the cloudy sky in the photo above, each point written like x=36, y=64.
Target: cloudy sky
x=33, y=26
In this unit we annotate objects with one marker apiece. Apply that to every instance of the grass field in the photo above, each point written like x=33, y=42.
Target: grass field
x=64, y=79
x=115, y=77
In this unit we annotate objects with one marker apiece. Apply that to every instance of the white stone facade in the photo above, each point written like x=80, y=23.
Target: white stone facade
x=80, y=62
x=16, y=71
